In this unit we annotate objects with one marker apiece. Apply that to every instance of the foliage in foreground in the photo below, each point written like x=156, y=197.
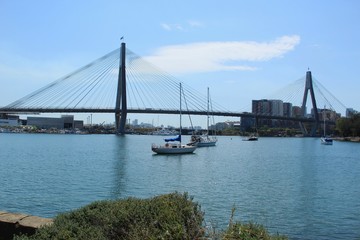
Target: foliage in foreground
x=249, y=231
x=170, y=216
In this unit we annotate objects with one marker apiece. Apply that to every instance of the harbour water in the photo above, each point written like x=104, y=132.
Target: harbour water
x=294, y=186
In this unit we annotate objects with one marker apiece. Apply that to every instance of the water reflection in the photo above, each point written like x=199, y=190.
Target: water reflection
x=120, y=156
x=308, y=186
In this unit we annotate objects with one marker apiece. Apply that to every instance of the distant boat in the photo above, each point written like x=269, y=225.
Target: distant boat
x=251, y=138
x=164, y=132
x=177, y=147
x=324, y=139
x=254, y=136
x=205, y=140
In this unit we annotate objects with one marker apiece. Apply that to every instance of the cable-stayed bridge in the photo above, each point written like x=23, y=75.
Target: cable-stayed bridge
x=121, y=82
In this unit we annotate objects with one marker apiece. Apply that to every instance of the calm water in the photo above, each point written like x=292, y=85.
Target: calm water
x=294, y=186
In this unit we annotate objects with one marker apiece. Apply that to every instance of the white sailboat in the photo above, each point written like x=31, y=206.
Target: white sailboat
x=324, y=139
x=174, y=148
x=205, y=140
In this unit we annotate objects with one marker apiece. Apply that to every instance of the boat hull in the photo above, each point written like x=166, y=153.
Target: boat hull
x=326, y=141
x=251, y=138
x=173, y=149
x=207, y=144
x=203, y=141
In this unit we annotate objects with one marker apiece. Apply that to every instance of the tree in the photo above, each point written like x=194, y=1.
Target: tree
x=349, y=127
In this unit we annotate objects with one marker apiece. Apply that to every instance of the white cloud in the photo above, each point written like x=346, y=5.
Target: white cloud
x=181, y=27
x=178, y=27
x=170, y=27
x=165, y=26
x=220, y=56
x=194, y=23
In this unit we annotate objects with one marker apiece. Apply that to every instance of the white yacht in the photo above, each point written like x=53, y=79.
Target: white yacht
x=177, y=147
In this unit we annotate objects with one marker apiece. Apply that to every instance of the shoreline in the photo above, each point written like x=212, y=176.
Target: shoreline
x=347, y=139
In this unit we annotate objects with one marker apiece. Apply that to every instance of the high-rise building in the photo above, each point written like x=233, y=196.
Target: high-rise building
x=296, y=111
x=262, y=107
x=135, y=122
x=277, y=108
x=287, y=109
x=271, y=107
x=350, y=112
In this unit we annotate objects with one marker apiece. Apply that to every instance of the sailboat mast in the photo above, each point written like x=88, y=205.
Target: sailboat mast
x=207, y=124
x=180, y=111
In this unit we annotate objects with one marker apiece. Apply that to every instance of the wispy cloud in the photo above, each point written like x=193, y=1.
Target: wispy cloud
x=171, y=27
x=166, y=26
x=181, y=27
x=220, y=56
x=194, y=23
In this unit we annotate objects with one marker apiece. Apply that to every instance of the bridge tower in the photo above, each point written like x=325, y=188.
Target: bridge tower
x=121, y=105
x=309, y=88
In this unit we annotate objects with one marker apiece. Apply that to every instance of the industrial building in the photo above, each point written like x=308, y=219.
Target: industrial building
x=64, y=122
x=9, y=122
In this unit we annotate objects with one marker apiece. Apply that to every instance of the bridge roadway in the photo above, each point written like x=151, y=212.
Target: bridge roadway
x=152, y=111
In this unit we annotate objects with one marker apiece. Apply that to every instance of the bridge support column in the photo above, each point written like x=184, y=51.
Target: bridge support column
x=309, y=88
x=121, y=105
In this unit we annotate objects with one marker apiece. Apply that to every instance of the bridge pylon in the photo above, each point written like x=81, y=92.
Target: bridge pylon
x=309, y=88
x=121, y=104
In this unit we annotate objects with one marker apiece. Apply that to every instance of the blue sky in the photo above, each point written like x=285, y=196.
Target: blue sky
x=242, y=50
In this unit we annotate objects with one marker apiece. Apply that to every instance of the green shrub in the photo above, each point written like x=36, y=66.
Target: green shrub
x=170, y=216
x=248, y=231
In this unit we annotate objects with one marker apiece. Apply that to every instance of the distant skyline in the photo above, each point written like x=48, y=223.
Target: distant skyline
x=241, y=50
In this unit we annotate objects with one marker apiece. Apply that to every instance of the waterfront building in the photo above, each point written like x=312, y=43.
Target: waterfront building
x=267, y=107
x=135, y=122
x=64, y=122
x=247, y=124
x=272, y=107
x=78, y=124
x=45, y=122
x=261, y=107
x=296, y=111
x=9, y=122
x=350, y=112
x=276, y=107
x=328, y=114
x=287, y=109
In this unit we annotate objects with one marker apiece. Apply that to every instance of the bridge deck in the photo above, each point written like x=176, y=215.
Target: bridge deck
x=152, y=111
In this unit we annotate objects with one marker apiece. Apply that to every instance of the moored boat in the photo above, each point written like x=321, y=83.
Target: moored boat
x=251, y=138
x=174, y=148
x=325, y=140
x=205, y=140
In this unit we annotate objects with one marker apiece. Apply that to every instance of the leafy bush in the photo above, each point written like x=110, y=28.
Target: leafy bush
x=170, y=216
x=248, y=231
